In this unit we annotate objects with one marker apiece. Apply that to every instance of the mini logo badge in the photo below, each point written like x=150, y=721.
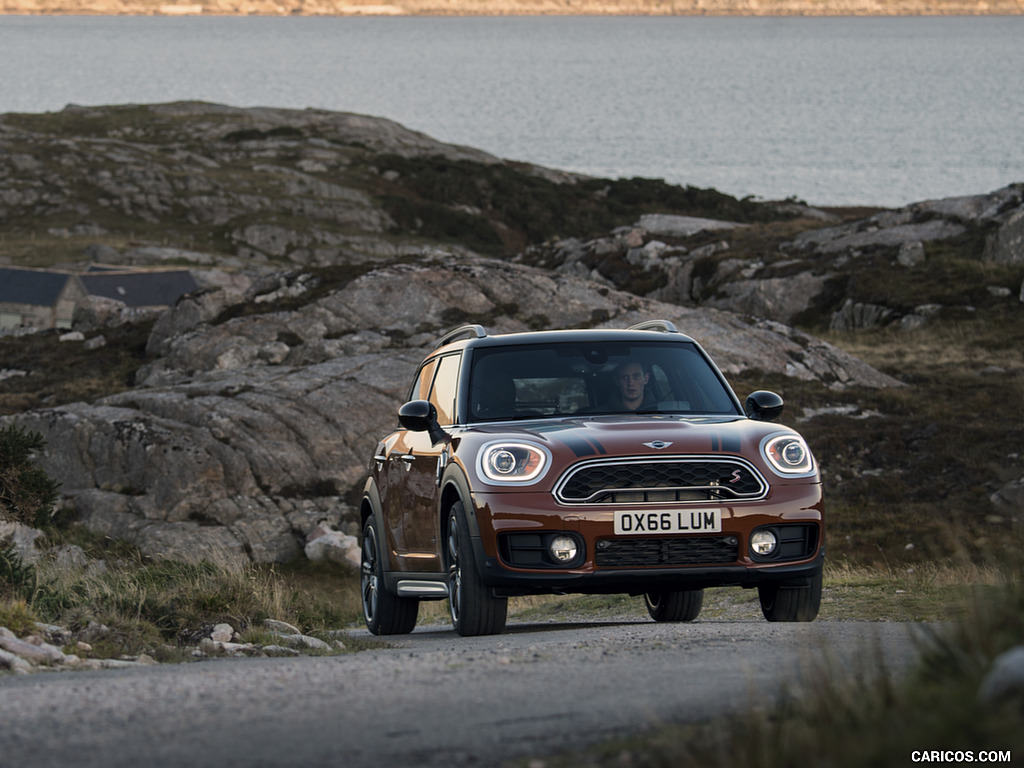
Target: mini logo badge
x=657, y=444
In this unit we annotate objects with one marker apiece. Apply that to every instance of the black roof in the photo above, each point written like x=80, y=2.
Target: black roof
x=31, y=286
x=140, y=289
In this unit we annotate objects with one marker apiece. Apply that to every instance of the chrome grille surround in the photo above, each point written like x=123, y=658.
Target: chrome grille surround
x=654, y=480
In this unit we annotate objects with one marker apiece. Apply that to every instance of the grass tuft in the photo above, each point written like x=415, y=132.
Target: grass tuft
x=842, y=717
x=125, y=603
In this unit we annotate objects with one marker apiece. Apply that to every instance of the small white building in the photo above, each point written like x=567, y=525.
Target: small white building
x=38, y=298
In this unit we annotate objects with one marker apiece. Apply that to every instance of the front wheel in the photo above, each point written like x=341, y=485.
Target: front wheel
x=474, y=610
x=782, y=603
x=683, y=605
x=384, y=613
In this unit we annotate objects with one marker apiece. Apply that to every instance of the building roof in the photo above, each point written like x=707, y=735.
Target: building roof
x=140, y=289
x=31, y=286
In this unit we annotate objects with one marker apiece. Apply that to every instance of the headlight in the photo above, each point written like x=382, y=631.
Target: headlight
x=514, y=463
x=788, y=455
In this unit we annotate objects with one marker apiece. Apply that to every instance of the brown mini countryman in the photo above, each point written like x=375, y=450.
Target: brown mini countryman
x=591, y=461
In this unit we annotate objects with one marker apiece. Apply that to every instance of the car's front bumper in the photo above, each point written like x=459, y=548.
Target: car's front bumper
x=787, y=507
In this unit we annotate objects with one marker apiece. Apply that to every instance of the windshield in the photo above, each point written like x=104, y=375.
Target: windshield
x=560, y=379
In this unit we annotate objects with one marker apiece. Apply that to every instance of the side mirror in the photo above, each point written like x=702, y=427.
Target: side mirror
x=421, y=416
x=764, y=406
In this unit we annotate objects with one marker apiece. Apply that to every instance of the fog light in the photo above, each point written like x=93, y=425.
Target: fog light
x=563, y=548
x=763, y=543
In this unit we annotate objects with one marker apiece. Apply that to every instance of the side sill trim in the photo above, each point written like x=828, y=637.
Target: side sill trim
x=411, y=588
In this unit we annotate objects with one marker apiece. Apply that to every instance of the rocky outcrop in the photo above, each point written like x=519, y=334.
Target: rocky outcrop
x=248, y=433
x=266, y=186
x=261, y=395
x=693, y=261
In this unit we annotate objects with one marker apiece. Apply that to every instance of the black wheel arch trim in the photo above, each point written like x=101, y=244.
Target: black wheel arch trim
x=455, y=487
x=371, y=507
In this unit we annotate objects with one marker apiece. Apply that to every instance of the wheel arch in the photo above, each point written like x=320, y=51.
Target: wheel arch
x=370, y=506
x=455, y=488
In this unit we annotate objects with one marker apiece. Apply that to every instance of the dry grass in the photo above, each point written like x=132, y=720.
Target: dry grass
x=850, y=717
x=123, y=602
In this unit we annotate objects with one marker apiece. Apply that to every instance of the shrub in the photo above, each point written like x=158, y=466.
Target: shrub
x=27, y=493
x=17, y=580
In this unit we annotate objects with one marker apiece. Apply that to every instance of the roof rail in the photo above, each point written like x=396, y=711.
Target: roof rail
x=655, y=325
x=476, y=331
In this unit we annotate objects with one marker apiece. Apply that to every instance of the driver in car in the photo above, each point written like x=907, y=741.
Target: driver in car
x=631, y=380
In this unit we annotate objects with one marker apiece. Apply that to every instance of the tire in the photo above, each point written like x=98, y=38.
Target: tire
x=384, y=613
x=683, y=605
x=781, y=603
x=474, y=610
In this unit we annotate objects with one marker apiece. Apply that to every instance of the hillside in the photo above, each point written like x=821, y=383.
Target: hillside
x=335, y=248
x=522, y=7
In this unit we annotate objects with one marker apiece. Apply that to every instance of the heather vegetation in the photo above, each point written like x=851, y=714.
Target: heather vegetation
x=913, y=533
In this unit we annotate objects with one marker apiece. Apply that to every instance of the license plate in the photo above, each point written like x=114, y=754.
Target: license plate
x=673, y=521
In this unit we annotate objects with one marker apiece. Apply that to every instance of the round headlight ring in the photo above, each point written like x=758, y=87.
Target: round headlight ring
x=793, y=453
x=503, y=462
x=513, y=463
x=788, y=455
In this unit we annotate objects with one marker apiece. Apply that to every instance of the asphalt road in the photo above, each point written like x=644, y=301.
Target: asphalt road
x=434, y=699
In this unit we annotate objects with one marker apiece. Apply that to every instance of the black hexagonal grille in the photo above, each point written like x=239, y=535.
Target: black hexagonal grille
x=667, y=551
x=643, y=481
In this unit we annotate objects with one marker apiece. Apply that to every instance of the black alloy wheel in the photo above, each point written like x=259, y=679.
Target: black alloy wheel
x=384, y=613
x=474, y=609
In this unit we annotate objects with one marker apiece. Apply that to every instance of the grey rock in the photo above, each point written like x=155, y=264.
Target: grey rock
x=911, y=254
x=275, y=625
x=912, y=322
x=324, y=544
x=1005, y=678
x=709, y=250
x=23, y=537
x=855, y=315
x=665, y=225
x=1006, y=245
x=38, y=652
x=96, y=342
x=156, y=255
x=15, y=663
x=975, y=208
x=773, y=298
x=876, y=231
x=303, y=642
x=1010, y=498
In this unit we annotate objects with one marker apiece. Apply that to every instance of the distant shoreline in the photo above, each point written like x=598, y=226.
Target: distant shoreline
x=348, y=8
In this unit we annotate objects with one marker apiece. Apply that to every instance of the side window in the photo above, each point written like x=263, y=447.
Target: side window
x=446, y=384
x=421, y=387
